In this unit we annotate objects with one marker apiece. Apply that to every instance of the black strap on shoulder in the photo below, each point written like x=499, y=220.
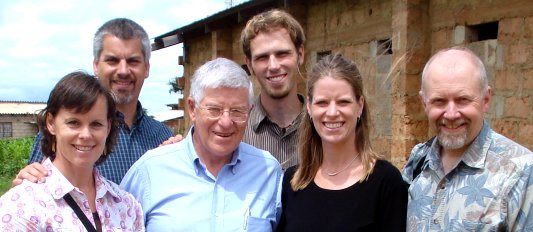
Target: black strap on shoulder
x=70, y=201
x=418, y=167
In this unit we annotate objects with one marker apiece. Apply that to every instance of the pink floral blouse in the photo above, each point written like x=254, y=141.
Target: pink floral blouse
x=41, y=207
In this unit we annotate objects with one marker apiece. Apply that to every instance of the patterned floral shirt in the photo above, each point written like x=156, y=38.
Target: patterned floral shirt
x=41, y=207
x=491, y=189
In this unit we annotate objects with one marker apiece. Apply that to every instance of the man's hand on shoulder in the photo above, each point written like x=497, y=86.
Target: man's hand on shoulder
x=172, y=140
x=34, y=172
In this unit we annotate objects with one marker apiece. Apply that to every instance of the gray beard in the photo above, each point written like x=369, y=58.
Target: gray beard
x=122, y=100
x=451, y=142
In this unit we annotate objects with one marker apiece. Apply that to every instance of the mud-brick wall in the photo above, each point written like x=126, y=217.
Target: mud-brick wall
x=416, y=30
x=353, y=29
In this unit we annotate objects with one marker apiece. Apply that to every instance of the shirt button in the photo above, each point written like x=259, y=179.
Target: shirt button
x=435, y=221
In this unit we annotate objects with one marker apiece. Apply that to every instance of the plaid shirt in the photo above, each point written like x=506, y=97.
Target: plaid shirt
x=131, y=144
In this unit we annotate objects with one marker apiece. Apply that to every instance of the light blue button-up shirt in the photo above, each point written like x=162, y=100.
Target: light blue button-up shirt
x=177, y=192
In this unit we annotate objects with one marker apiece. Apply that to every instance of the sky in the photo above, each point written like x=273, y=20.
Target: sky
x=43, y=40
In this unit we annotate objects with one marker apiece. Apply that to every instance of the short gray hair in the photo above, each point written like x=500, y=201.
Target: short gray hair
x=481, y=72
x=124, y=29
x=220, y=72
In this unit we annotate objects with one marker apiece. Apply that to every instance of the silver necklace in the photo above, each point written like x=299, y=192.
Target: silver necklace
x=337, y=172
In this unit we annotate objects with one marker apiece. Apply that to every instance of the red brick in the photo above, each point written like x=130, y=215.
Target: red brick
x=528, y=27
x=407, y=105
x=518, y=107
x=507, y=128
x=441, y=39
x=382, y=145
x=510, y=29
x=525, y=133
x=405, y=127
x=506, y=80
x=518, y=53
x=511, y=26
x=528, y=80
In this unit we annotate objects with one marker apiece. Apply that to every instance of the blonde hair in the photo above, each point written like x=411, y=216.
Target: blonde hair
x=309, y=141
x=270, y=21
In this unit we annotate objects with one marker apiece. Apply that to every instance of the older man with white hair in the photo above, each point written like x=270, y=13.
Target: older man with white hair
x=210, y=181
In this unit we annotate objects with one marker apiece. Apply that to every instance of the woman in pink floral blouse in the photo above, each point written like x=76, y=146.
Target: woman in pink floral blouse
x=78, y=125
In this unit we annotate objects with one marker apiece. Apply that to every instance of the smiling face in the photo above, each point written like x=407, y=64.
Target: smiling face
x=122, y=68
x=274, y=62
x=454, y=100
x=218, y=138
x=334, y=110
x=80, y=137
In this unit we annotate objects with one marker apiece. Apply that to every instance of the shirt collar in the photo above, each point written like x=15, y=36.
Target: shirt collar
x=258, y=115
x=195, y=159
x=58, y=185
x=477, y=152
x=139, y=114
x=474, y=155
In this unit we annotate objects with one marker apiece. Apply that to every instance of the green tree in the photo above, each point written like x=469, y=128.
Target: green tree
x=176, y=85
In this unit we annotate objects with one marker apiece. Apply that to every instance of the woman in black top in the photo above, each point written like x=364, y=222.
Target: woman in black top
x=341, y=184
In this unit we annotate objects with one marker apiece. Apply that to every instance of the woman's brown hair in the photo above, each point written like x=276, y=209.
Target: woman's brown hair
x=77, y=91
x=309, y=141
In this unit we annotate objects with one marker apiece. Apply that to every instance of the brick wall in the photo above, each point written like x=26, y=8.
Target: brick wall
x=21, y=125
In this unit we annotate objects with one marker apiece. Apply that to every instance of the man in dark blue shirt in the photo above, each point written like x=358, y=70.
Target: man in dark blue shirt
x=121, y=50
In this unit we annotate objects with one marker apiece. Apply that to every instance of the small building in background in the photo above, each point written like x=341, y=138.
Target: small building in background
x=172, y=118
x=18, y=119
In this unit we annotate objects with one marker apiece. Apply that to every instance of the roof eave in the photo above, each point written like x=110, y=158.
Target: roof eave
x=229, y=16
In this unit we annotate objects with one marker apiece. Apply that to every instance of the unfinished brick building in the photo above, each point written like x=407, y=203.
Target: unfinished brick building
x=390, y=42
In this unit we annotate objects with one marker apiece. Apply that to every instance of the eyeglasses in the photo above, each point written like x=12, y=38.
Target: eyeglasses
x=238, y=115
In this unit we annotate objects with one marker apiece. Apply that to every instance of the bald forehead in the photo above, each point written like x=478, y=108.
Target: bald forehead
x=454, y=62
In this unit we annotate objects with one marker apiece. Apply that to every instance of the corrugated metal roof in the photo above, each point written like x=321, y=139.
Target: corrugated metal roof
x=21, y=107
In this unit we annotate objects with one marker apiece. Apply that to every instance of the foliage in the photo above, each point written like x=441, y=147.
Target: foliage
x=14, y=154
x=175, y=85
x=5, y=184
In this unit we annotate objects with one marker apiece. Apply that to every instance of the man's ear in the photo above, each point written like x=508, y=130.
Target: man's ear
x=95, y=67
x=422, y=99
x=251, y=108
x=249, y=65
x=301, y=52
x=487, y=99
x=190, y=104
x=147, y=69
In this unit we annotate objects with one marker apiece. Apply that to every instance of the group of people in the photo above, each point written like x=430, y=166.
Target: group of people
x=281, y=161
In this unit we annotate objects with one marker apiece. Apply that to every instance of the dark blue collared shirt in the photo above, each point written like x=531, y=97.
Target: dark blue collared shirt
x=131, y=144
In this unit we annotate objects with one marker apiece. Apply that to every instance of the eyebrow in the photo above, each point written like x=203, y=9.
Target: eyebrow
x=275, y=52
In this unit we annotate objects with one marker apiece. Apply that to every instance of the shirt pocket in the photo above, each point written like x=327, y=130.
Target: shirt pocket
x=258, y=224
x=465, y=225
